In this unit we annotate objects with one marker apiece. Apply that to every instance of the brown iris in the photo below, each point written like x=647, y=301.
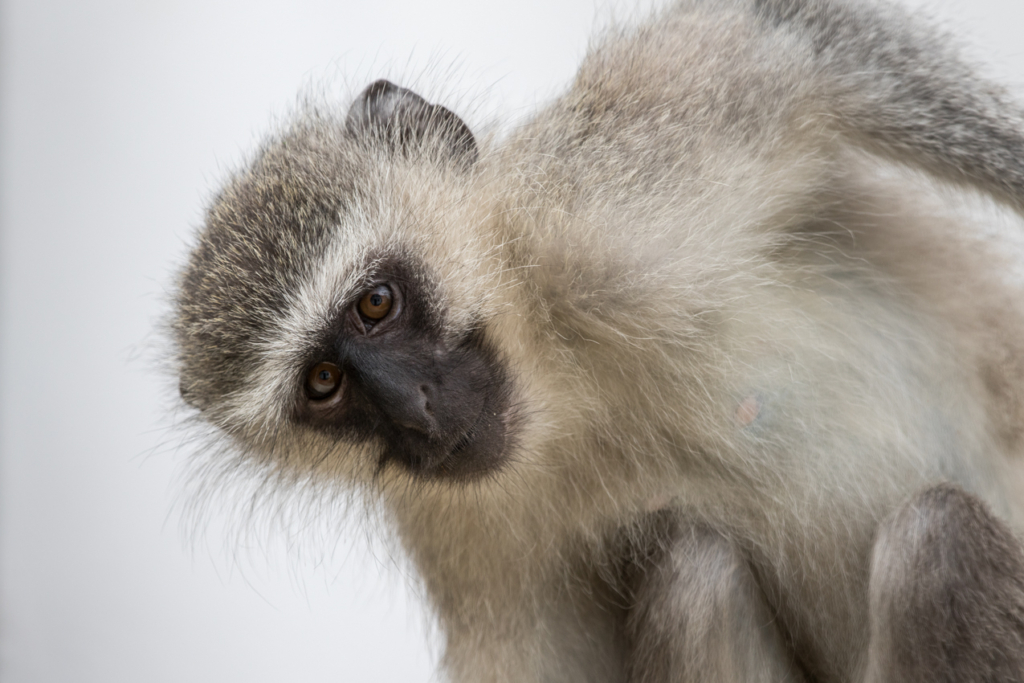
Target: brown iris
x=376, y=303
x=323, y=380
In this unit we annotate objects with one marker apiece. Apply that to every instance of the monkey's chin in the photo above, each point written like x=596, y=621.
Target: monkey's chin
x=479, y=452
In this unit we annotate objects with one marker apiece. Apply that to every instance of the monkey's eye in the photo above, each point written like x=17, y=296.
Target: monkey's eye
x=323, y=380
x=376, y=303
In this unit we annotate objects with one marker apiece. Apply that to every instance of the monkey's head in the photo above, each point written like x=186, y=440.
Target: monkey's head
x=335, y=311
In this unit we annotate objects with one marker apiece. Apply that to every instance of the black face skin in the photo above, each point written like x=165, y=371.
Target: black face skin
x=439, y=409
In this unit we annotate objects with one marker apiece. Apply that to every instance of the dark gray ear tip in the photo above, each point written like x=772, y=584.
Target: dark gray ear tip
x=383, y=90
x=380, y=104
x=379, y=87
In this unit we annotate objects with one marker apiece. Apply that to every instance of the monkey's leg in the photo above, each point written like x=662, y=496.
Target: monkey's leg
x=699, y=615
x=947, y=594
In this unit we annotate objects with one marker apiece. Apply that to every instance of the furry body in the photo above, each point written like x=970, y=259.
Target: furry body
x=727, y=336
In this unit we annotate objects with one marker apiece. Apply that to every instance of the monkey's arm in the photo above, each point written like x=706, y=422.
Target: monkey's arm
x=699, y=615
x=947, y=603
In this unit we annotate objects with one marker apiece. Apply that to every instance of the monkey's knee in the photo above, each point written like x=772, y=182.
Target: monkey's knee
x=947, y=593
x=698, y=614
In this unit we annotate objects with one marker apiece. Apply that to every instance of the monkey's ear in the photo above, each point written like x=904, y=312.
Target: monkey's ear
x=403, y=119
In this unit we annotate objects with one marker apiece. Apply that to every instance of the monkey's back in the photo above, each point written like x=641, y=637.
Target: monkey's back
x=795, y=325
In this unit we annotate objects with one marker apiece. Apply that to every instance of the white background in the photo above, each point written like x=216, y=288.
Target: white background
x=118, y=120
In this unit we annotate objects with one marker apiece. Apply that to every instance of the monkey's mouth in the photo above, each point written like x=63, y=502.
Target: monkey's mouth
x=478, y=451
x=466, y=439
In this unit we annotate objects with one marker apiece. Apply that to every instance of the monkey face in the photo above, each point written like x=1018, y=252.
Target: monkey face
x=384, y=370
x=312, y=315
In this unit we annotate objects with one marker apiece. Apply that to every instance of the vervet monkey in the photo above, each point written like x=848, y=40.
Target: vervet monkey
x=699, y=375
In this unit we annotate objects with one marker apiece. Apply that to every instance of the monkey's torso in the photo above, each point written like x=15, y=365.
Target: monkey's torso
x=696, y=334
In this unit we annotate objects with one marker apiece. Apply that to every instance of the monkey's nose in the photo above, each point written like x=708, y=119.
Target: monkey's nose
x=417, y=411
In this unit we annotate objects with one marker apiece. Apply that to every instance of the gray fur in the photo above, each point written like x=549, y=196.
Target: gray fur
x=717, y=286
x=947, y=594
